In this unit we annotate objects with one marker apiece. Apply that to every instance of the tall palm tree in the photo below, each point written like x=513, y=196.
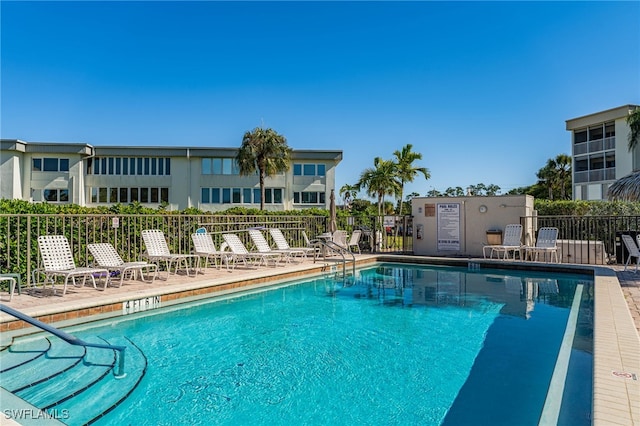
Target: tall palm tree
x=263, y=151
x=556, y=175
x=380, y=180
x=348, y=193
x=633, y=120
x=406, y=170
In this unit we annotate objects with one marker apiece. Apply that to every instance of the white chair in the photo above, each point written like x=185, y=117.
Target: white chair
x=239, y=252
x=57, y=261
x=546, y=243
x=339, y=237
x=206, y=249
x=107, y=257
x=158, y=251
x=633, y=250
x=263, y=247
x=510, y=243
x=354, y=241
x=282, y=244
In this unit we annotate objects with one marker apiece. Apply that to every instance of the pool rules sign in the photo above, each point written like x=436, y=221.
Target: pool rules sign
x=448, y=226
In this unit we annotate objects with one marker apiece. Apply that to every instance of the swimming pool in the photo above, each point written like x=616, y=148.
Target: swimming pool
x=400, y=345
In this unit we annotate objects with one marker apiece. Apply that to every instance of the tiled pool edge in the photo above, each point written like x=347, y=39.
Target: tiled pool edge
x=616, y=399
x=616, y=347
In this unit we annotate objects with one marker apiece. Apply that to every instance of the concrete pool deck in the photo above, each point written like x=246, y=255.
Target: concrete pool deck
x=616, y=343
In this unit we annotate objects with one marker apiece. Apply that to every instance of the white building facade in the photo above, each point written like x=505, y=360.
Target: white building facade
x=599, y=147
x=177, y=178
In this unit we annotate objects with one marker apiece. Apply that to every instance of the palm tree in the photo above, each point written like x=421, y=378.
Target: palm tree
x=348, y=193
x=633, y=120
x=556, y=175
x=263, y=151
x=406, y=171
x=380, y=180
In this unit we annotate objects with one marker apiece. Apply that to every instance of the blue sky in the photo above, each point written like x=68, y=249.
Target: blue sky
x=481, y=89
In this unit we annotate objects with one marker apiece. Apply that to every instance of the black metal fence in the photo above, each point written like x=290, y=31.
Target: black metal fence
x=590, y=239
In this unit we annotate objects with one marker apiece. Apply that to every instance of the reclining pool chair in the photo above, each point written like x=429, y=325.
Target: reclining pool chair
x=107, y=257
x=263, y=247
x=158, y=251
x=283, y=244
x=57, y=261
x=205, y=248
x=239, y=252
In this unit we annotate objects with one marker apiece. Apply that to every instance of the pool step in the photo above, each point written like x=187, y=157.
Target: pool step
x=13, y=356
x=94, y=366
x=67, y=379
x=59, y=358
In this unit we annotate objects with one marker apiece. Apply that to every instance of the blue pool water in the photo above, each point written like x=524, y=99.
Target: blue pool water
x=401, y=345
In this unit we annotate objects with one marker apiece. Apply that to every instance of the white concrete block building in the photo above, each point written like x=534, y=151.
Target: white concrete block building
x=177, y=177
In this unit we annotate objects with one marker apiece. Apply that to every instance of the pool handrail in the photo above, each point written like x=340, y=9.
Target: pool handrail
x=337, y=248
x=71, y=339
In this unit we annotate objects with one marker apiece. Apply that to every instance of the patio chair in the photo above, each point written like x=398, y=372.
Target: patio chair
x=282, y=244
x=263, y=246
x=158, y=251
x=633, y=250
x=311, y=245
x=12, y=285
x=340, y=238
x=546, y=242
x=57, y=261
x=107, y=257
x=206, y=249
x=354, y=241
x=239, y=252
x=510, y=243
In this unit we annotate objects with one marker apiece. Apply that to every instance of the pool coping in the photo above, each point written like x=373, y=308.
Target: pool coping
x=616, y=343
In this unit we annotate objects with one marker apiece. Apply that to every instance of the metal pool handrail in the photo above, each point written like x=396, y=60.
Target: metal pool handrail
x=337, y=249
x=73, y=340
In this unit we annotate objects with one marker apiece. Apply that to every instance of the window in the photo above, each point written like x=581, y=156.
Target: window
x=609, y=130
x=50, y=164
x=56, y=195
x=595, y=133
x=596, y=162
x=582, y=165
x=309, y=169
x=297, y=169
x=215, y=195
x=580, y=137
x=246, y=195
x=321, y=169
x=206, y=166
x=126, y=195
x=205, y=195
x=235, y=195
x=226, y=195
x=257, y=196
x=307, y=197
x=610, y=160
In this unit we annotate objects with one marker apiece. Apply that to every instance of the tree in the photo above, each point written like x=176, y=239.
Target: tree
x=555, y=176
x=633, y=120
x=380, y=180
x=405, y=170
x=454, y=192
x=348, y=193
x=263, y=151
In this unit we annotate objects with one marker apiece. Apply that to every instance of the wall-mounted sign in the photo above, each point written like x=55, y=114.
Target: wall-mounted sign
x=429, y=210
x=449, y=227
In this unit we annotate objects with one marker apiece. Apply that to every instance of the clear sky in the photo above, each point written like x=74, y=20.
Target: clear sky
x=481, y=89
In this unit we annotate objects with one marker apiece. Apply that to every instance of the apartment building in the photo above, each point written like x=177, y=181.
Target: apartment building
x=599, y=146
x=176, y=177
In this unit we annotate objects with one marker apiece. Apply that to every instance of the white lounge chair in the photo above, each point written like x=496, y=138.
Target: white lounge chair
x=206, y=249
x=340, y=238
x=633, y=250
x=239, y=252
x=510, y=243
x=263, y=246
x=107, y=257
x=282, y=244
x=57, y=261
x=158, y=251
x=546, y=243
